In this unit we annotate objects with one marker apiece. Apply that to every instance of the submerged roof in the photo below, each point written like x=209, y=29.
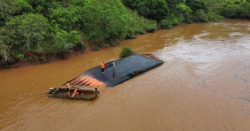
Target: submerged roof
x=123, y=70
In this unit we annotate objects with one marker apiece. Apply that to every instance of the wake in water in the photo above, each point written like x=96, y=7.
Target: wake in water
x=224, y=58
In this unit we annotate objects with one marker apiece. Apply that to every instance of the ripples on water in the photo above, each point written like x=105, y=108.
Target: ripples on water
x=203, y=85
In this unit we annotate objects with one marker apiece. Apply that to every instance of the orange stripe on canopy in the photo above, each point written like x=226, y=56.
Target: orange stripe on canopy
x=87, y=81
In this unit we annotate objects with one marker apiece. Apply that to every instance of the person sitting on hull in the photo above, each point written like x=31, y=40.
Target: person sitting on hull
x=75, y=92
x=68, y=86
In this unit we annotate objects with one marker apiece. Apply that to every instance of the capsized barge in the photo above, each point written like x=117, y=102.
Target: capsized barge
x=124, y=69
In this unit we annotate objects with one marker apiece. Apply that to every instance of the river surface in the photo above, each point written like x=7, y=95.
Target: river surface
x=204, y=85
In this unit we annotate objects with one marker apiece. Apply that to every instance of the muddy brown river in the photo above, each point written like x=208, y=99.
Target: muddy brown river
x=204, y=85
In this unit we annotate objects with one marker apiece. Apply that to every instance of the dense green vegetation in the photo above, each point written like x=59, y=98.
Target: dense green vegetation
x=236, y=9
x=126, y=52
x=36, y=30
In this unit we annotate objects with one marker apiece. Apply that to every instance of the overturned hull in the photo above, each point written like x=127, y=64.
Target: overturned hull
x=124, y=69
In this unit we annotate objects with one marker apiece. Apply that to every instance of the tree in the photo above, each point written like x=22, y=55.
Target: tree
x=4, y=54
x=9, y=8
x=108, y=21
x=27, y=32
x=67, y=17
x=197, y=5
x=152, y=9
x=63, y=41
x=236, y=9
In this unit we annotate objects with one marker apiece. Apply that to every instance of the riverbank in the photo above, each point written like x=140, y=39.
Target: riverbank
x=45, y=59
x=89, y=50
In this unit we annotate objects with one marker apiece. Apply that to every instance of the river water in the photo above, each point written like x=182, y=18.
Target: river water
x=204, y=85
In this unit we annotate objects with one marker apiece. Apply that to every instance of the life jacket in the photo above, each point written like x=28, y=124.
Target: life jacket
x=102, y=65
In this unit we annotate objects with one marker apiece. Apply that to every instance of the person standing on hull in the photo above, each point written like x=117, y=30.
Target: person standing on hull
x=114, y=66
x=103, y=67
